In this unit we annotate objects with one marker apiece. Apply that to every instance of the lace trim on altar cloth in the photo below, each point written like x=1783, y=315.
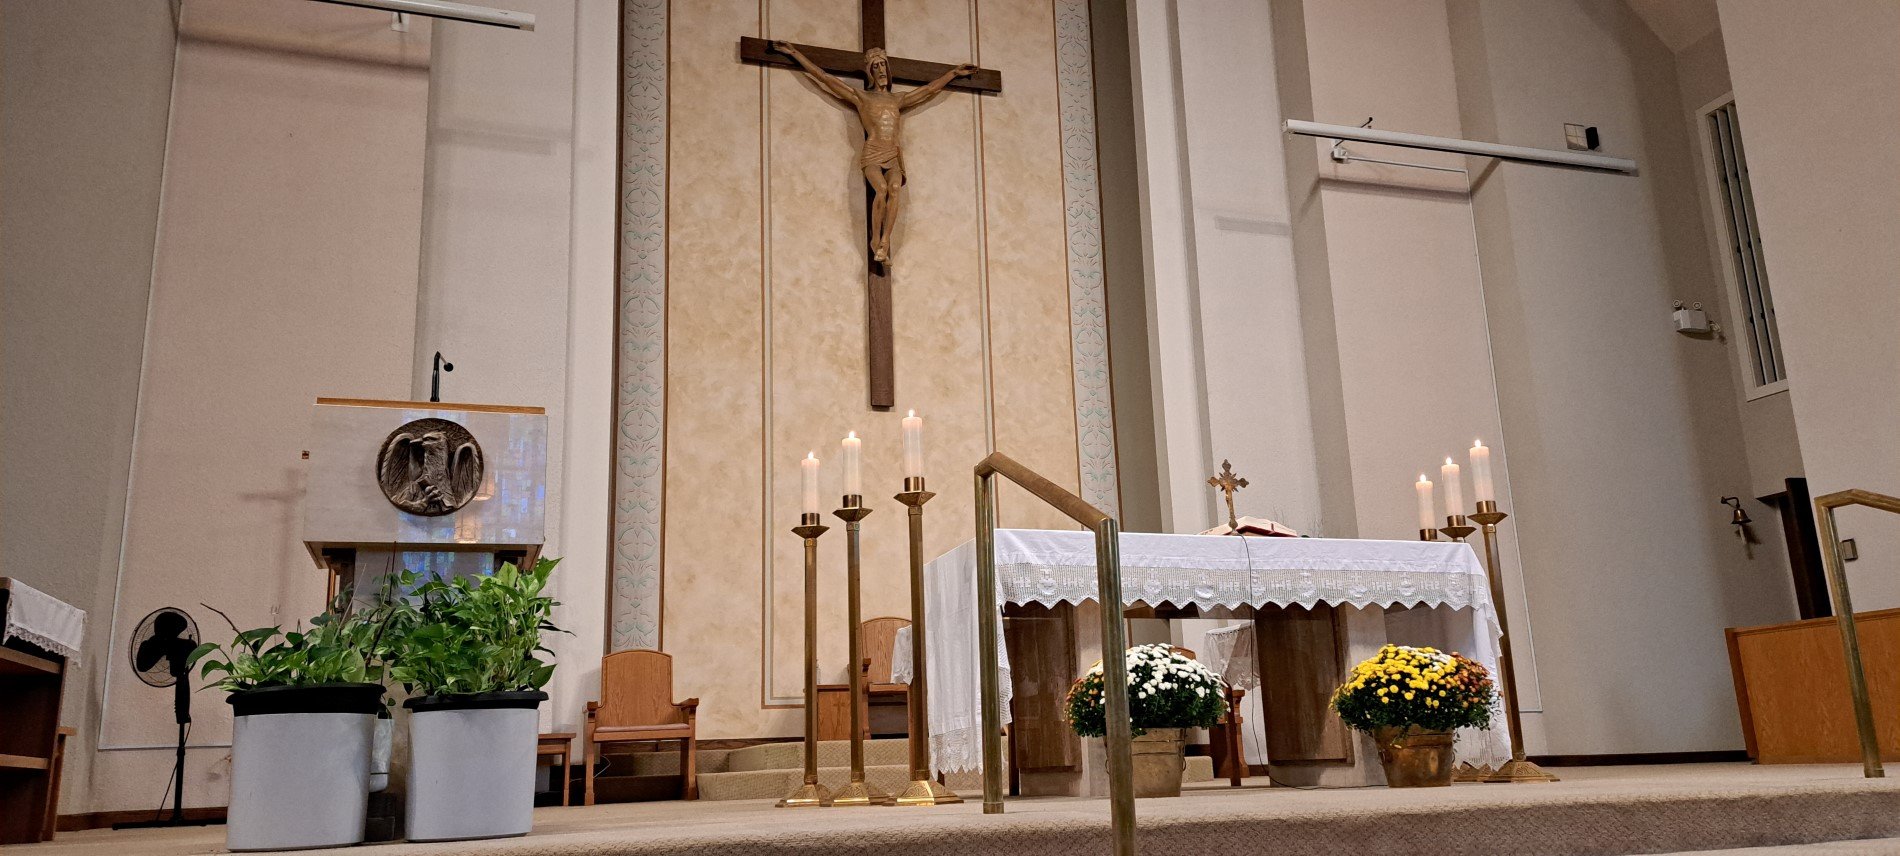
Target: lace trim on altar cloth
x=1376, y=583
x=43, y=641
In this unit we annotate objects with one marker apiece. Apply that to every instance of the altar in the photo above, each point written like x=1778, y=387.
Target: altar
x=1317, y=606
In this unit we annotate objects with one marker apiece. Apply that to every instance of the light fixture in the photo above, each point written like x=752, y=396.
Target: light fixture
x=1522, y=154
x=1740, y=517
x=448, y=11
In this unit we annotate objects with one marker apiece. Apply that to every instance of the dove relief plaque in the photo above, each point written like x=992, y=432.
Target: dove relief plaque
x=430, y=467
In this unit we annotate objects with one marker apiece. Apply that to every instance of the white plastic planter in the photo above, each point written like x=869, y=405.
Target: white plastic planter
x=300, y=760
x=379, y=752
x=471, y=765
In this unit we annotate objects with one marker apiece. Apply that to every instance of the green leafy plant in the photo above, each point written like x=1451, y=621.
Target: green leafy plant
x=1165, y=690
x=349, y=643
x=480, y=635
x=1422, y=688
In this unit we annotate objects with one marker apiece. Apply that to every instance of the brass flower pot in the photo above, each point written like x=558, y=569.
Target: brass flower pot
x=1160, y=756
x=1415, y=758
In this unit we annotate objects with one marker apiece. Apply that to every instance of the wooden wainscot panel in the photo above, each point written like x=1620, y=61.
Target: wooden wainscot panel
x=1302, y=655
x=1791, y=687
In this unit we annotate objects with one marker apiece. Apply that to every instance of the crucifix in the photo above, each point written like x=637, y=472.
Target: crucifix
x=1227, y=483
x=880, y=111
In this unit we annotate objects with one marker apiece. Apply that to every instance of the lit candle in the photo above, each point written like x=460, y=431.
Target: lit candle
x=853, y=465
x=808, y=468
x=1481, y=484
x=1454, y=495
x=1426, y=518
x=913, y=446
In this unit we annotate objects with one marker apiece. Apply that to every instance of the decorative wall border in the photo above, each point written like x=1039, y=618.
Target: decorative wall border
x=640, y=354
x=1088, y=300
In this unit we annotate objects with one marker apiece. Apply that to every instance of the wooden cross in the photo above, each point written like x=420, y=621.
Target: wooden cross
x=879, y=344
x=1227, y=483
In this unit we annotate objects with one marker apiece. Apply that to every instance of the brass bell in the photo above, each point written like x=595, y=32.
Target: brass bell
x=1740, y=517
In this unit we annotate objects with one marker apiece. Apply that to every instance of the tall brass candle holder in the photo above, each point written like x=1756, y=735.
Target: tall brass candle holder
x=810, y=794
x=857, y=793
x=1457, y=529
x=1518, y=769
x=922, y=790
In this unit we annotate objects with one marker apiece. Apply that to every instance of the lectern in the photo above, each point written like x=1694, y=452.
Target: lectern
x=440, y=489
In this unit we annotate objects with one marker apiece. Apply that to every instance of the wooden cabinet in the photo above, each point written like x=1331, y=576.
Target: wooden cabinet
x=1791, y=688
x=31, y=681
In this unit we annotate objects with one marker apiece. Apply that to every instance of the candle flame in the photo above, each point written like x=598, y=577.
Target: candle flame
x=1422, y=479
x=851, y=435
x=1448, y=461
x=811, y=456
x=911, y=413
x=1477, y=444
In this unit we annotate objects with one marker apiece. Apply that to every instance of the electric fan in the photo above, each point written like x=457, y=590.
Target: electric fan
x=161, y=645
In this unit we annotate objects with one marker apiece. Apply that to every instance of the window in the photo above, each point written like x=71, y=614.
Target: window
x=1753, y=304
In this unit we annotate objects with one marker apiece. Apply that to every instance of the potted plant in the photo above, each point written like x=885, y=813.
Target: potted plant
x=469, y=656
x=1412, y=700
x=304, y=707
x=1168, y=693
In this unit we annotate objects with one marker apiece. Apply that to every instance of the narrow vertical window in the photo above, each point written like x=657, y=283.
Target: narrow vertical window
x=1755, y=304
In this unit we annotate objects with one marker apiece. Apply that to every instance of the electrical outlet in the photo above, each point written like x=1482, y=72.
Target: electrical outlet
x=1849, y=550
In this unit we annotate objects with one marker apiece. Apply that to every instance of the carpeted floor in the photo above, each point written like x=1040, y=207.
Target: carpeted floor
x=1604, y=810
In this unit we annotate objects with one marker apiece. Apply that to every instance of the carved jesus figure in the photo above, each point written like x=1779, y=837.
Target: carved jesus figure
x=881, y=112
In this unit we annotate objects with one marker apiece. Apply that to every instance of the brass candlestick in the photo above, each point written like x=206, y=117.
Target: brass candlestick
x=810, y=794
x=922, y=790
x=1455, y=527
x=1518, y=769
x=857, y=792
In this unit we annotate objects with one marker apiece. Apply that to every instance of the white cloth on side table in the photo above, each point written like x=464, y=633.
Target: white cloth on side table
x=1052, y=567
x=43, y=620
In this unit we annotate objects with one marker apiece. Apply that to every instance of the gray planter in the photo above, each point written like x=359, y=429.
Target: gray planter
x=471, y=765
x=300, y=759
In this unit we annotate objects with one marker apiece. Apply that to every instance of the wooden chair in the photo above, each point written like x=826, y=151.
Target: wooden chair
x=636, y=691
x=1227, y=748
x=875, y=637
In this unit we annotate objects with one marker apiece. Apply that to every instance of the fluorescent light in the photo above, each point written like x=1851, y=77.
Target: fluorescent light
x=448, y=11
x=1524, y=154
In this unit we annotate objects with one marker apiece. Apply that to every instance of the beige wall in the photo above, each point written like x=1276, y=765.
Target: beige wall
x=85, y=92
x=1616, y=422
x=766, y=326
x=285, y=269
x=1768, y=429
x=514, y=274
x=1819, y=111
x=1391, y=294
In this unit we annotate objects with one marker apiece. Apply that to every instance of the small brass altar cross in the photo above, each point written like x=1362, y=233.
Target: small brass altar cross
x=1227, y=483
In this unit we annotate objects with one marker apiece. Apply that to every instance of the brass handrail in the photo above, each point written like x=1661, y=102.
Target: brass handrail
x=1844, y=614
x=1108, y=583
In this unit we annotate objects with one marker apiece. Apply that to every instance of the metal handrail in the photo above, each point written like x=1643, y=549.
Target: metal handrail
x=1844, y=613
x=1108, y=582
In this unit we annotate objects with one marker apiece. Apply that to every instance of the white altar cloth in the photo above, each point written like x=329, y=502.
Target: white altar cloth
x=1051, y=567
x=41, y=619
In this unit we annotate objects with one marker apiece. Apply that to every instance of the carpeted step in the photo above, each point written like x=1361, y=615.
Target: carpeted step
x=831, y=753
x=790, y=758
x=665, y=762
x=773, y=784
x=889, y=778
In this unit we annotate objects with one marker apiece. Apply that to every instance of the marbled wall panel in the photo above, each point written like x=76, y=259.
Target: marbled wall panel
x=767, y=332
x=1032, y=387
x=938, y=301
x=714, y=350
x=814, y=379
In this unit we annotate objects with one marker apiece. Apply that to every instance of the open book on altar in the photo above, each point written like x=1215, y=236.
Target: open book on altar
x=1255, y=526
